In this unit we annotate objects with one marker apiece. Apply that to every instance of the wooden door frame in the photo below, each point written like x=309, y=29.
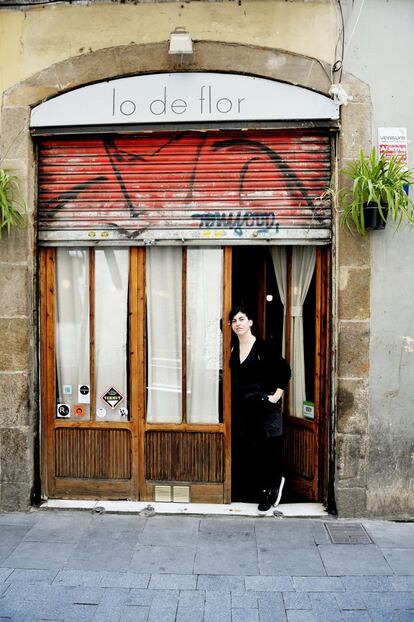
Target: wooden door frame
x=310, y=437
x=70, y=487
x=138, y=487
x=325, y=367
x=47, y=366
x=317, y=489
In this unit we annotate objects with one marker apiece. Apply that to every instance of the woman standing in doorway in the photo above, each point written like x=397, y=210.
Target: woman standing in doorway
x=259, y=378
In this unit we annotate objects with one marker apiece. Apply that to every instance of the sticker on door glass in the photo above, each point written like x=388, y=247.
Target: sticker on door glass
x=84, y=394
x=67, y=389
x=79, y=410
x=123, y=412
x=101, y=412
x=63, y=411
x=112, y=397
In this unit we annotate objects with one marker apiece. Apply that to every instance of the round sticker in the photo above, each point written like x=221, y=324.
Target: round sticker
x=84, y=389
x=63, y=410
x=101, y=412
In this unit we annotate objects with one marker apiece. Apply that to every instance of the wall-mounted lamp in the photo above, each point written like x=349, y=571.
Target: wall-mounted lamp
x=180, y=42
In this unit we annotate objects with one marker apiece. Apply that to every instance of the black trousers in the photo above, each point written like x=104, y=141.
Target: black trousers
x=257, y=465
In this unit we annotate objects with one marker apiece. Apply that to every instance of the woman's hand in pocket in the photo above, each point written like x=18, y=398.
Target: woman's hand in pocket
x=275, y=397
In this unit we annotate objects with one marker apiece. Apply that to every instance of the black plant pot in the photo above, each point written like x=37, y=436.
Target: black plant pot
x=372, y=216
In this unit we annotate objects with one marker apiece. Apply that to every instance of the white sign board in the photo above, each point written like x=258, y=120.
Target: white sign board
x=392, y=141
x=183, y=97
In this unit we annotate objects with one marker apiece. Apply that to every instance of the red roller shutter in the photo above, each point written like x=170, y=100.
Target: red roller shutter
x=212, y=185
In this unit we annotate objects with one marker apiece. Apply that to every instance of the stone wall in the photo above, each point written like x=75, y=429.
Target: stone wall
x=18, y=401
x=353, y=317
x=18, y=361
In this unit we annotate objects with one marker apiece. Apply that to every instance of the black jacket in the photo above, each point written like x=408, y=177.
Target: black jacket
x=261, y=373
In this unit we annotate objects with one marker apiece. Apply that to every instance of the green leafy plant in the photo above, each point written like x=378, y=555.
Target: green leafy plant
x=12, y=207
x=379, y=182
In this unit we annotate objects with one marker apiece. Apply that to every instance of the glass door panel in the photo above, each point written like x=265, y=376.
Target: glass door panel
x=111, y=333
x=204, y=296
x=164, y=334
x=72, y=334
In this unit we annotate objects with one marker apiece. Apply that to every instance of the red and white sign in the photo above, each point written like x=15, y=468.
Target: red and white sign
x=392, y=141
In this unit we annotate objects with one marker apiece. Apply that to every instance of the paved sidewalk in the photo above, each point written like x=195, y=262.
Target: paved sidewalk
x=78, y=565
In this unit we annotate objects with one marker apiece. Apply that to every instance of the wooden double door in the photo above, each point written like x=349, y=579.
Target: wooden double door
x=135, y=383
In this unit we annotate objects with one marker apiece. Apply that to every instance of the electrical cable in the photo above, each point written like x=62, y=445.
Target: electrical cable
x=16, y=5
x=329, y=76
x=340, y=63
x=356, y=23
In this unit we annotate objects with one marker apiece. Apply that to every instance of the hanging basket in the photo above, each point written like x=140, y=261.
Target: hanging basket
x=372, y=217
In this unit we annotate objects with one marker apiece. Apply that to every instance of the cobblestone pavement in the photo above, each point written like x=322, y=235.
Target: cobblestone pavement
x=76, y=565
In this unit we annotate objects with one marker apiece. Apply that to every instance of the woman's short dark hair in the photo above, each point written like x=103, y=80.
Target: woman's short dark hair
x=240, y=308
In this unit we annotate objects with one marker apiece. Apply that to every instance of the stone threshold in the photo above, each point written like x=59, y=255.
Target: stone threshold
x=149, y=508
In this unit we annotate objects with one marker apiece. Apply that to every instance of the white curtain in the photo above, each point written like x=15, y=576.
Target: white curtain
x=72, y=324
x=164, y=354
x=279, y=258
x=303, y=266
x=204, y=338
x=111, y=326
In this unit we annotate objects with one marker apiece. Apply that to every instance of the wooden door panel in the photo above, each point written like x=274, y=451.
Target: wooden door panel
x=299, y=457
x=80, y=459
x=305, y=442
x=196, y=455
x=185, y=456
x=85, y=453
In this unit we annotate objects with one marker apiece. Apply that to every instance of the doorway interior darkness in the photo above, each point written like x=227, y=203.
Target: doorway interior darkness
x=254, y=284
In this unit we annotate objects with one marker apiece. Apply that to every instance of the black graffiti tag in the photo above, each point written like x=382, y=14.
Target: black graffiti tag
x=139, y=179
x=236, y=221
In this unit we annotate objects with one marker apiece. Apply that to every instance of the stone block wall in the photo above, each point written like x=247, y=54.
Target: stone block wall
x=353, y=276
x=18, y=418
x=18, y=404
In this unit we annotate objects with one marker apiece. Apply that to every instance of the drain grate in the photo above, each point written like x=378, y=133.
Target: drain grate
x=347, y=533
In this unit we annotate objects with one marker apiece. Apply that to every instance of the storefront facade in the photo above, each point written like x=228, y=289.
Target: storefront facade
x=147, y=229
x=146, y=241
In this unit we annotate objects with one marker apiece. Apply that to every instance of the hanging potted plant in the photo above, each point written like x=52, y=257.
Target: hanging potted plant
x=12, y=207
x=378, y=192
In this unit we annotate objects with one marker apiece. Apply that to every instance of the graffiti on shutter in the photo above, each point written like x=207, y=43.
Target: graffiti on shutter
x=213, y=186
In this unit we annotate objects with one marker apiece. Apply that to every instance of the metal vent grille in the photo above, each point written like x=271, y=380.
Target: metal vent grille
x=162, y=493
x=347, y=533
x=181, y=494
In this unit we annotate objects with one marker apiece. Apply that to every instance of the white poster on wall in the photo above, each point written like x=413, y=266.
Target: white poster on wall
x=392, y=141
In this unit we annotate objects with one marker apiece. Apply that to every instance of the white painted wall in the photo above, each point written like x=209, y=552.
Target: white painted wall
x=380, y=51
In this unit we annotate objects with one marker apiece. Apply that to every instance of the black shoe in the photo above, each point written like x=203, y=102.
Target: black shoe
x=266, y=500
x=271, y=497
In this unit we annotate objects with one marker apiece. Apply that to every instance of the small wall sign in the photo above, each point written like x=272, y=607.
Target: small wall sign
x=112, y=397
x=84, y=394
x=63, y=411
x=392, y=141
x=309, y=410
x=79, y=410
